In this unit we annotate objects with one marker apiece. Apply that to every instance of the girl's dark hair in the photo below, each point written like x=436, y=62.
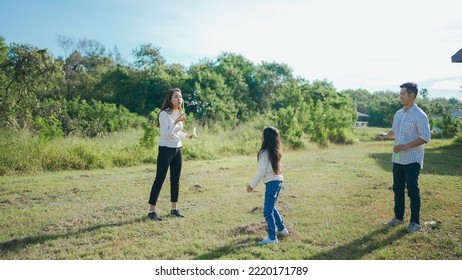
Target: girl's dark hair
x=167, y=104
x=272, y=144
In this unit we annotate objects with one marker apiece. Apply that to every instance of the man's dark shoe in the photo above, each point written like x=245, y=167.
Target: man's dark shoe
x=176, y=213
x=153, y=216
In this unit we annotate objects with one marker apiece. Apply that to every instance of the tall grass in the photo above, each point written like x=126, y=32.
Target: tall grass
x=23, y=152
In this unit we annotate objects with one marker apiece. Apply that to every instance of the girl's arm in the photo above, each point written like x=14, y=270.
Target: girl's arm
x=262, y=165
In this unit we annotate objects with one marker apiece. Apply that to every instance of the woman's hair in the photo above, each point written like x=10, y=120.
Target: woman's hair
x=167, y=104
x=272, y=144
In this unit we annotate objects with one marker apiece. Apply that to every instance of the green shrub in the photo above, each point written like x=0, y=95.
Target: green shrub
x=197, y=151
x=49, y=127
x=96, y=118
x=90, y=156
x=151, y=130
x=342, y=136
x=458, y=139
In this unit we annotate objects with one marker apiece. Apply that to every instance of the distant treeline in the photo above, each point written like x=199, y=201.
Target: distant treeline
x=92, y=91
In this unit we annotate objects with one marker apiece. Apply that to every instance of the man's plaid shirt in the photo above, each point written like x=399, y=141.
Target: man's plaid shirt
x=408, y=126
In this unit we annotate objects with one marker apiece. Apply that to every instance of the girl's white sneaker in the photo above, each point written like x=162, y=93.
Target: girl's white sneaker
x=283, y=232
x=266, y=241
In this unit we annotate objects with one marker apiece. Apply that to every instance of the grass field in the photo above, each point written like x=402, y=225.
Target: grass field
x=334, y=203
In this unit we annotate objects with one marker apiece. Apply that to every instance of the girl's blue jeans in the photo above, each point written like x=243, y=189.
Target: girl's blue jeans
x=271, y=214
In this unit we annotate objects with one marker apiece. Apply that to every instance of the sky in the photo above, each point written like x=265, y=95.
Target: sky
x=373, y=45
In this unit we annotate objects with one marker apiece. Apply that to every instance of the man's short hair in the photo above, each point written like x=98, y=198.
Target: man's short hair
x=411, y=88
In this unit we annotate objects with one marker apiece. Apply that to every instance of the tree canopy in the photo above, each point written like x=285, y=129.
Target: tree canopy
x=92, y=91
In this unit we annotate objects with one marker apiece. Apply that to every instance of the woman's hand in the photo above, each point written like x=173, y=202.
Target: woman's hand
x=249, y=189
x=181, y=118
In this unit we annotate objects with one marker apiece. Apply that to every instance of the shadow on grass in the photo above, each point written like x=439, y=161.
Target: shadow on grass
x=21, y=243
x=357, y=248
x=445, y=160
x=227, y=249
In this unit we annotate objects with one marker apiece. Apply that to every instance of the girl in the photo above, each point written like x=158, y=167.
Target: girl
x=170, y=120
x=269, y=170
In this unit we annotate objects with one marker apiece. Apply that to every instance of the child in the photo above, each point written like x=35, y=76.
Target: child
x=171, y=119
x=269, y=170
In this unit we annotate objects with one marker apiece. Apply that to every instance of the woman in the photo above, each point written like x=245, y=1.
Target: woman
x=171, y=120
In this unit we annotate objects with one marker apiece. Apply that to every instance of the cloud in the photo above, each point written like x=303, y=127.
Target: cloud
x=451, y=84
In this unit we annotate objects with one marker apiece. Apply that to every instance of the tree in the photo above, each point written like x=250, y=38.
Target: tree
x=3, y=58
x=148, y=57
x=29, y=75
x=235, y=70
x=267, y=81
x=207, y=96
x=383, y=107
x=85, y=63
x=444, y=120
x=319, y=134
x=454, y=101
x=360, y=97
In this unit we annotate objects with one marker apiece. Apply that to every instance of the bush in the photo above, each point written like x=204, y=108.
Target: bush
x=458, y=139
x=196, y=151
x=151, y=130
x=49, y=127
x=343, y=136
x=95, y=118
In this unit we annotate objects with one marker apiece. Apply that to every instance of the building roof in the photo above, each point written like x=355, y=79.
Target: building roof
x=457, y=57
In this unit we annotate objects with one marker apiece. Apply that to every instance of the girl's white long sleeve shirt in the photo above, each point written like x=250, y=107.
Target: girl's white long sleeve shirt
x=170, y=133
x=265, y=171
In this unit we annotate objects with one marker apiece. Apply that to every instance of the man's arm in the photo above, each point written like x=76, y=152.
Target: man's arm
x=403, y=147
x=386, y=135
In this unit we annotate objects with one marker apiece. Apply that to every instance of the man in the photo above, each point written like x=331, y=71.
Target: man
x=411, y=132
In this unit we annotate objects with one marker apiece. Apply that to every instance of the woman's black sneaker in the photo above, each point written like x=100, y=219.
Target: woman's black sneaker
x=176, y=213
x=153, y=216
